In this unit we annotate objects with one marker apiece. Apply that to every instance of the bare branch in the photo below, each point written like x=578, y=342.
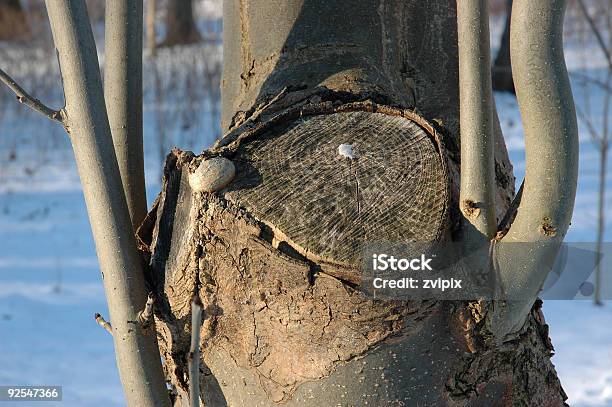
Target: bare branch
x=585, y=118
x=601, y=213
x=31, y=102
x=596, y=32
x=194, y=353
x=102, y=322
x=146, y=315
x=586, y=79
x=606, y=108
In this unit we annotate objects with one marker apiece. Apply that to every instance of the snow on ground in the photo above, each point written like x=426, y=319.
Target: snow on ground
x=50, y=289
x=50, y=286
x=581, y=335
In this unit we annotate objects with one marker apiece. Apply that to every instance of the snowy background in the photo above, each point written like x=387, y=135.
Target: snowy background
x=49, y=281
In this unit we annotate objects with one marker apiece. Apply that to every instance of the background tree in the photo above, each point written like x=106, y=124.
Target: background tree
x=502, y=69
x=13, y=21
x=598, y=26
x=150, y=26
x=180, y=24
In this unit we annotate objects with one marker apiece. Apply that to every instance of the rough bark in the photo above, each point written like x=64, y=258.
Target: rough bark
x=277, y=328
x=180, y=24
x=284, y=320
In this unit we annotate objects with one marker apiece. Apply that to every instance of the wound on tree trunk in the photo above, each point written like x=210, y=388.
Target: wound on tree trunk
x=284, y=319
x=274, y=255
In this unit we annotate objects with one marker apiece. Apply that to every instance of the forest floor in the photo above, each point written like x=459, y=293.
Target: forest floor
x=50, y=286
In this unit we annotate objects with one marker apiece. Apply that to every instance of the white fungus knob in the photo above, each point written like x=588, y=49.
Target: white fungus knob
x=346, y=150
x=212, y=175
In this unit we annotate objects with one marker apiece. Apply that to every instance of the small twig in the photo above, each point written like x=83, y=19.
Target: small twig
x=586, y=79
x=585, y=118
x=29, y=101
x=146, y=315
x=102, y=322
x=194, y=353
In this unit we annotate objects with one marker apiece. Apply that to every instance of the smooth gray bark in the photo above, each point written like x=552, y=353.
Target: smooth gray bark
x=86, y=122
x=477, y=200
x=551, y=147
x=270, y=45
x=123, y=95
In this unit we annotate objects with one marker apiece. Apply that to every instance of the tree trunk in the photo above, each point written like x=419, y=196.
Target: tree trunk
x=502, y=69
x=180, y=24
x=275, y=255
x=13, y=21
